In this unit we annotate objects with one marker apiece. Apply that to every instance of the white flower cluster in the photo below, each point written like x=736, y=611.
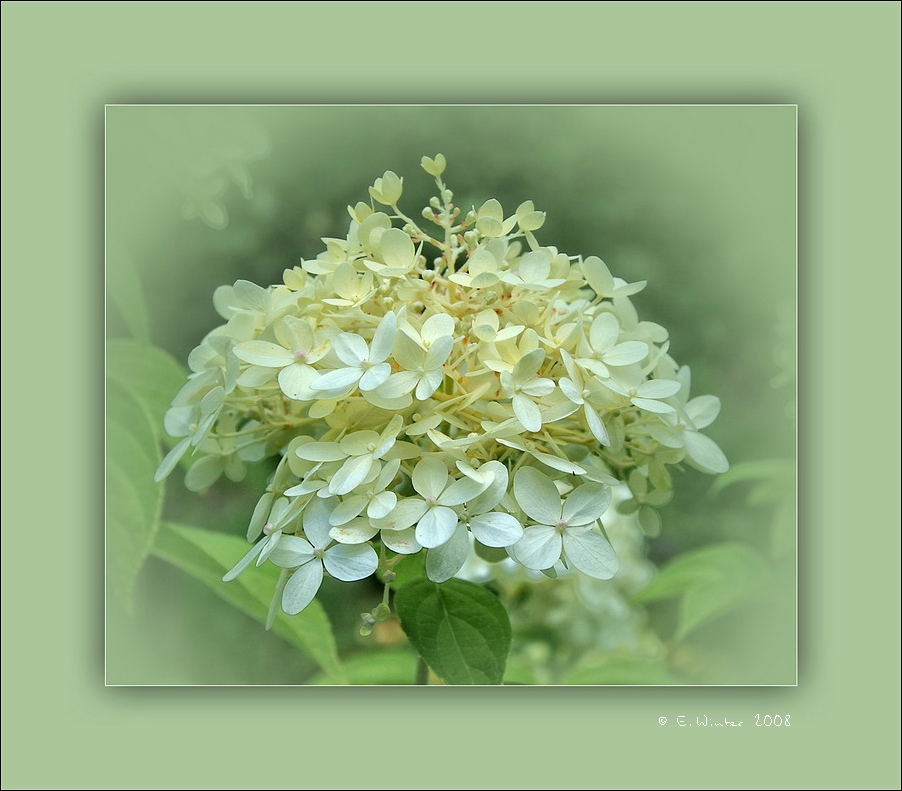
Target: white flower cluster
x=489, y=392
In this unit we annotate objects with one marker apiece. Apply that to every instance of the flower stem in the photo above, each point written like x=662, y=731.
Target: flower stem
x=422, y=673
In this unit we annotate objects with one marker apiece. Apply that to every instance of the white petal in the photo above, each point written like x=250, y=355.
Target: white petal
x=316, y=520
x=397, y=249
x=496, y=490
x=320, y=451
x=445, y=561
x=358, y=443
x=351, y=349
x=557, y=463
x=586, y=503
x=496, y=529
x=263, y=353
x=339, y=379
x=590, y=553
x=291, y=551
x=354, y=532
x=375, y=376
x=384, y=337
x=438, y=352
x=705, y=452
x=528, y=366
x=405, y=514
x=349, y=562
x=171, y=459
x=537, y=496
x=302, y=587
x=604, y=332
x=428, y=384
x=351, y=474
x=403, y=542
x=429, y=477
x=650, y=405
x=398, y=384
x=658, y=388
x=703, y=411
x=408, y=353
x=246, y=561
x=436, y=526
x=436, y=327
x=539, y=548
x=381, y=505
x=527, y=412
x=462, y=491
x=538, y=387
x=295, y=381
x=571, y=391
x=346, y=510
x=626, y=353
x=596, y=425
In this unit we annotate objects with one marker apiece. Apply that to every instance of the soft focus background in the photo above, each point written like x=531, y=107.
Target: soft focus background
x=698, y=201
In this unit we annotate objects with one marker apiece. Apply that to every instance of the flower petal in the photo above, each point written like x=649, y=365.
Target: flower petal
x=403, y=542
x=351, y=474
x=264, y=353
x=537, y=496
x=291, y=551
x=246, y=561
x=349, y=562
x=320, y=451
x=496, y=529
x=384, y=337
x=429, y=477
x=539, y=548
x=346, y=510
x=705, y=452
x=350, y=348
x=436, y=526
x=302, y=587
x=316, y=520
x=354, y=532
x=586, y=503
x=339, y=379
x=591, y=553
x=444, y=561
x=527, y=412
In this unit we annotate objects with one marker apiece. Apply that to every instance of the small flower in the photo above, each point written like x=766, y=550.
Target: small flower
x=366, y=366
x=309, y=557
x=563, y=527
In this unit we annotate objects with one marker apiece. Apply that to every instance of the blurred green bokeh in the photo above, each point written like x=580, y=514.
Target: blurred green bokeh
x=698, y=201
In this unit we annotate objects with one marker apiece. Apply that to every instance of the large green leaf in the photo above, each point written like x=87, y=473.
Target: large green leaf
x=385, y=667
x=133, y=500
x=150, y=374
x=460, y=629
x=623, y=670
x=711, y=581
x=207, y=555
x=124, y=289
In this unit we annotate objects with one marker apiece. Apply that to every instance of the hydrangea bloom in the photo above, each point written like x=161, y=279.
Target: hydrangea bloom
x=428, y=390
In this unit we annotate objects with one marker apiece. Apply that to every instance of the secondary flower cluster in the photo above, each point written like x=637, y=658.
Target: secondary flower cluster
x=437, y=391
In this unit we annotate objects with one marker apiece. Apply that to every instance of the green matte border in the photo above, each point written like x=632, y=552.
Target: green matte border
x=61, y=62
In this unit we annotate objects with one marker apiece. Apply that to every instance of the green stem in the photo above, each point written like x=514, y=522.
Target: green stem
x=422, y=673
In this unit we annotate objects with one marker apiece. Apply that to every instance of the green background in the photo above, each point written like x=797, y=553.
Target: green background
x=62, y=62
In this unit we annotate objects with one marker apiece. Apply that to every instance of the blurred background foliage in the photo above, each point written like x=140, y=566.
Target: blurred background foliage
x=698, y=201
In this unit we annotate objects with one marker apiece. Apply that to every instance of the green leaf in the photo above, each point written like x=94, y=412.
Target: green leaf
x=623, y=670
x=711, y=581
x=460, y=629
x=124, y=288
x=133, y=500
x=207, y=555
x=762, y=469
x=148, y=373
x=387, y=667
